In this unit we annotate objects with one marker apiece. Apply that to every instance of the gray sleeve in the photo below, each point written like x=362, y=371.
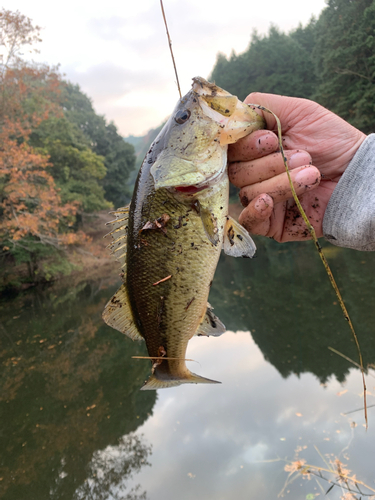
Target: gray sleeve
x=349, y=220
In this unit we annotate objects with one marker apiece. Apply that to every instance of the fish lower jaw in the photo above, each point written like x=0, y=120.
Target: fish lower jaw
x=203, y=186
x=190, y=189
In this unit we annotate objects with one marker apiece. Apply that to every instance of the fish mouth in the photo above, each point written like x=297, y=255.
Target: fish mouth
x=197, y=188
x=191, y=189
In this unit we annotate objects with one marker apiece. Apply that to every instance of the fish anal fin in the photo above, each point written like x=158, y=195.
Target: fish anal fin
x=154, y=382
x=210, y=325
x=117, y=314
x=237, y=241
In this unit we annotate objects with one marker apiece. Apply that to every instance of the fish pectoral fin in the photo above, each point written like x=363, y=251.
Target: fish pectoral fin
x=118, y=314
x=210, y=326
x=237, y=241
x=209, y=222
x=154, y=382
x=119, y=234
x=170, y=171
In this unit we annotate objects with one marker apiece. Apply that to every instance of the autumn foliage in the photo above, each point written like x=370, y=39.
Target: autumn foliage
x=30, y=201
x=30, y=204
x=52, y=170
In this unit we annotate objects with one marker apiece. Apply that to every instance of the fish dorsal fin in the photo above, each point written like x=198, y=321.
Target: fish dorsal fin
x=210, y=325
x=237, y=241
x=119, y=234
x=118, y=314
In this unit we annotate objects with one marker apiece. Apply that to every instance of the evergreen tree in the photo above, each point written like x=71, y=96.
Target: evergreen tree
x=104, y=140
x=74, y=166
x=345, y=61
x=276, y=63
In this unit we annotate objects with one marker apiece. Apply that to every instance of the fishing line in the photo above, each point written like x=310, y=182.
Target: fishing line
x=170, y=47
x=321, y=254
x=305, y=218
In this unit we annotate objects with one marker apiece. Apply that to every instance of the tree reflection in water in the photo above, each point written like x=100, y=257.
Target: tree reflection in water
x=69, y=389
x=110, y=469
x=284, y=298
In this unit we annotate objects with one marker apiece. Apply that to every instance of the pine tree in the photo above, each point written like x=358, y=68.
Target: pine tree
x=345, y=61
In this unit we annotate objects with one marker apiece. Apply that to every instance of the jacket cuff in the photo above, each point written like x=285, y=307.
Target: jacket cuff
x=349, y=220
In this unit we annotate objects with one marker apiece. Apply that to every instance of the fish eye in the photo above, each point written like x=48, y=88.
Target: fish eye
x=182, y=116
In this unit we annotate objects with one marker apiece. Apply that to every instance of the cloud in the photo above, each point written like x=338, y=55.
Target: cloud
x=103, y=81
x=108, y=81
x=130, y=120
x=145, y=32
x=117, y=93
x=213, y=438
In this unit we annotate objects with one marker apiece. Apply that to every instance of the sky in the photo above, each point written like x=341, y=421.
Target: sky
x=117, y=51
x=216, y=442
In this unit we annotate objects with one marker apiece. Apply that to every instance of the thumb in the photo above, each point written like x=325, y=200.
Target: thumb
x=287, y=109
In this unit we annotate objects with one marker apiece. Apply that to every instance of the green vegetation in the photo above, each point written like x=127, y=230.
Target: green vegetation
x=104, y=141
x=331, y=60
x=59, y=160
x=70, y=390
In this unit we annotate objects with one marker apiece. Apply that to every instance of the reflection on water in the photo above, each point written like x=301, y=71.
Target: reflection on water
x=74, y=424
x=110, y=470
x=285, y=299
x=68, y=390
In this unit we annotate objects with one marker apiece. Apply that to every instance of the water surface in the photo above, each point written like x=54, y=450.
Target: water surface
x=74, y=424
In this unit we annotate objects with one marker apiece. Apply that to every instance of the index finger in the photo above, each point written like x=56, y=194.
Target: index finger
x=256, y=145
x=289, y=110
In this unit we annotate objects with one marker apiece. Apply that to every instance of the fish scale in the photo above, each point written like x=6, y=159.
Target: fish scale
x=191, y=268
x=170, y=238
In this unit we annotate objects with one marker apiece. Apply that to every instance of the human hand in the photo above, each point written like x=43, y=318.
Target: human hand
x=318, y=145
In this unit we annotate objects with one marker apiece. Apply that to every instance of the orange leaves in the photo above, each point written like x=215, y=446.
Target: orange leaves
x=32, y=212
x=30, y=202
x=75, y=238
x=30, y=94
x=16, y=30
x=29, y=199
x=295, y=466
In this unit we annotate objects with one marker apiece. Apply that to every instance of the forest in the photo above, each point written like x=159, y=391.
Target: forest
x=331, y=61
x=61, y=163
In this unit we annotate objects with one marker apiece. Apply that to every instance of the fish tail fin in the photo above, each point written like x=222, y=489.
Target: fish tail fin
x=154, y=382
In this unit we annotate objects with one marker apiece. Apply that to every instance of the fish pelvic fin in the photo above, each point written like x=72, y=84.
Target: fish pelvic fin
x=237, y=241
x=154, y=382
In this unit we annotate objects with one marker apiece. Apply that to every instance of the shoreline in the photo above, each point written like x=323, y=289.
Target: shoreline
x=90, y=260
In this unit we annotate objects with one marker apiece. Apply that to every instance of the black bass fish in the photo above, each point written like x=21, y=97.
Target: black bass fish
x=170, y=237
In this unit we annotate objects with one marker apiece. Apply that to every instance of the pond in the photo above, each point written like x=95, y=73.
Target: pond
x=74, y=424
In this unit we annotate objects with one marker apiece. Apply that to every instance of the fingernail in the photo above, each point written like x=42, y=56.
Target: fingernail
x=244, y=200
x=307, y=176
x=299, y=159
x=267, y=142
